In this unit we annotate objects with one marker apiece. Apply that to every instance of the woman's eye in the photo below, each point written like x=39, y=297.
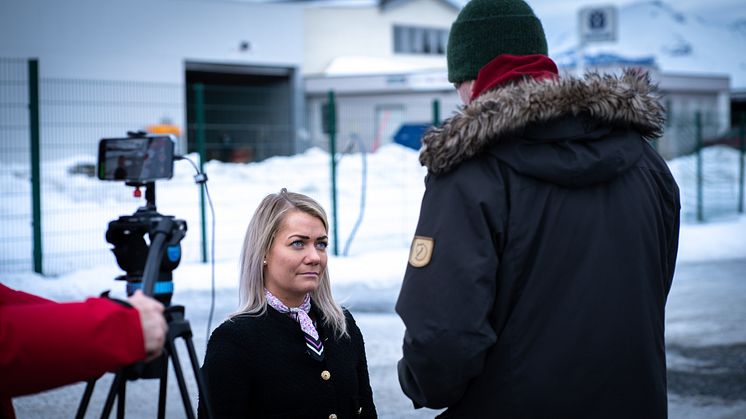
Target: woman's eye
x=321, y=245
x=297, y=243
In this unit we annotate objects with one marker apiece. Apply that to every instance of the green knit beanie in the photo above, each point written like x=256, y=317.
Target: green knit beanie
x=487, y=28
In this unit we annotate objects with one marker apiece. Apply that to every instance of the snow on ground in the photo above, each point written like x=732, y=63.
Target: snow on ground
x=370, y=277
x=705, y=306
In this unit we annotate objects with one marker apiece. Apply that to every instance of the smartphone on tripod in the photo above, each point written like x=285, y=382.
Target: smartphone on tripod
x=136, y=159
x=139, y=160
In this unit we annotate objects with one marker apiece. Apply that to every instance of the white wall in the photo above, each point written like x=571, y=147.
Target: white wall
x=147, y=40
x=338, y=31
x=359, y=115
x=143, y=42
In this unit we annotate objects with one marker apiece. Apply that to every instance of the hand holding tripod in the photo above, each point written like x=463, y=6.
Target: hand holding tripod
x=163, y=256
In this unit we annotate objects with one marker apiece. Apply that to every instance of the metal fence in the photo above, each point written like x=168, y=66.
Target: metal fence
x=376, y=182
x=370, y=188
x=15, y=167
x=72, y=116
x=709, y=167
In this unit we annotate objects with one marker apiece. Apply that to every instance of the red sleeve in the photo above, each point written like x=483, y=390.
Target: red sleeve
x=46, y=345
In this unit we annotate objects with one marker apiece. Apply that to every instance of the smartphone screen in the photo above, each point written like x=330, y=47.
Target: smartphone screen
x=136, y=159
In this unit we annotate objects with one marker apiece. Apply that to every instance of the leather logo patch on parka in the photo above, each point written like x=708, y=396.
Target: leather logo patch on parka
x=421, y=251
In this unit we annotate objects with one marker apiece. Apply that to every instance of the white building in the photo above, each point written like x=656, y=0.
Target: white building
x=266, y=68
x=385, y=62
x=376, y=35
x=683, y=95
x=109, y=67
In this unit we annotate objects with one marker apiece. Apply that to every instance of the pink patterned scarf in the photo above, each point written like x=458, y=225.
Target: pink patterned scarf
x=314, y=346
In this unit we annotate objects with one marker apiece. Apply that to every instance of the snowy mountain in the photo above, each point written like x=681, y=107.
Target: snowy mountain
x=675, y=40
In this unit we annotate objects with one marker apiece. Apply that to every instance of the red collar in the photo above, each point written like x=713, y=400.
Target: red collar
x=508, y=67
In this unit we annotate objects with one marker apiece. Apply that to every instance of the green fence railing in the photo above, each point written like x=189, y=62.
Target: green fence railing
x=49, y=132
x=709, y=169
x=16, y=216
x=33, y=99
x=49, y=136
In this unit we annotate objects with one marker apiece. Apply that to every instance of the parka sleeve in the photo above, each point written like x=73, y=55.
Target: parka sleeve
x=446, y=303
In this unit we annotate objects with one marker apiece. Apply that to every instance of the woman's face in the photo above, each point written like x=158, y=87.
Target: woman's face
x=296, y=258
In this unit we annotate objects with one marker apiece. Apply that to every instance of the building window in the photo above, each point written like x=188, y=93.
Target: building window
x=420, y=40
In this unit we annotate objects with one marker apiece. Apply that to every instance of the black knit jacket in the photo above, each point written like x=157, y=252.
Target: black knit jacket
x=257, y=367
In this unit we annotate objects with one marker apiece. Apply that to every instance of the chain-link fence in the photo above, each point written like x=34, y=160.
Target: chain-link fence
x=72, y=116
x=709, y=166
x=372, y=187
x=240, y=124
x=15, y=163
x=232, y=126
x=377, y=177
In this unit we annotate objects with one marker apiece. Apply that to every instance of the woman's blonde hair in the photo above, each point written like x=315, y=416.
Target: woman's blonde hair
x=261, y=232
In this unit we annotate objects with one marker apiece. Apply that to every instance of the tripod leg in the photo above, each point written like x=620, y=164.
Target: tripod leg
x=85, y=400
x=163, y=386
x=119, y=381
x=121, y=397
x=180, y=379
x=198, y=376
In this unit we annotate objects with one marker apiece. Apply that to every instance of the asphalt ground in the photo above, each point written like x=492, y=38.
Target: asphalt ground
x=705, y=333
x=706, y=340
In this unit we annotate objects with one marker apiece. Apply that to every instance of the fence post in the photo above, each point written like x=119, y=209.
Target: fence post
x=436, y=112
x=33, y=93
x=199, y=119
x=332, y=125
x=742, y=146
x=698, y=123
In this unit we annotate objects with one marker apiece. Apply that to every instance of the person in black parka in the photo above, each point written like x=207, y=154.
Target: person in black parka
x=547, y=239
x=290, y=351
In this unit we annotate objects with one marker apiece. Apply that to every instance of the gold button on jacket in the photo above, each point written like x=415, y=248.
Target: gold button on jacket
x=332, y=416
x=326, y=375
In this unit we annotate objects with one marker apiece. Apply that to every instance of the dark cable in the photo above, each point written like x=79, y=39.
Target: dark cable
x=201, y=178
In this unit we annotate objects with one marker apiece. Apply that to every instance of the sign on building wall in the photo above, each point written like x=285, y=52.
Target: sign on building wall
x=598, y=24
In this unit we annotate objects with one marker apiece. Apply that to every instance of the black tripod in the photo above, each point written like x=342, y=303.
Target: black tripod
x=166, y=231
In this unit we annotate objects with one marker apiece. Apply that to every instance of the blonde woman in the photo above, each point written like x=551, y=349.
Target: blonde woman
x=290, y=351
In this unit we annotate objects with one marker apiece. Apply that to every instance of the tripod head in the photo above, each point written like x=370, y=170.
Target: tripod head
x=147, y=267
x=139, y=159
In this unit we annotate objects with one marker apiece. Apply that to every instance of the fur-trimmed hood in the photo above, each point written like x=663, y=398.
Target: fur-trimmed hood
x=629, y=100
